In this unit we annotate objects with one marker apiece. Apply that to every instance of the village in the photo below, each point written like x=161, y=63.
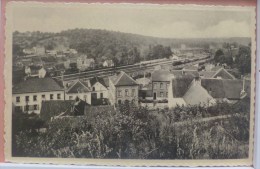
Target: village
x=162, y=83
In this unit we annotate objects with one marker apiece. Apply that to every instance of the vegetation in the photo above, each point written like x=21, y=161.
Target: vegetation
x=240, y=60
x=133, y=132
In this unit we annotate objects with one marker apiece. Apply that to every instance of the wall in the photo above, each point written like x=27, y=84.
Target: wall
x=129, y=97
x=83, y=96
x=158, y=90
x=99, y=88
x=39, y=100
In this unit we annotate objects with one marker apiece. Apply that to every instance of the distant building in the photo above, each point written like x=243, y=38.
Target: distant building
x=219, y=74
x=29, y=94
x=35, y=71
x=83, y=62
x=39, y=50
x=122, y=88
x=29, y=51
x=108, y=63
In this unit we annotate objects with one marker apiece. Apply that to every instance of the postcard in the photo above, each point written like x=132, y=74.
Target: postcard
x=124, y=84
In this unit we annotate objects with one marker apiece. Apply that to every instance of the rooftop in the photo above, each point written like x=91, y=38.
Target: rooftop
x=35, y=85
x=122, y=79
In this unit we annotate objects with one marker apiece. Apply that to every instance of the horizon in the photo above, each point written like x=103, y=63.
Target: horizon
x=131, y=34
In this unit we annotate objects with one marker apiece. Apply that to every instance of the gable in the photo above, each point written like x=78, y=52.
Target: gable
x=78, y=87
x=224, y=74
x=125, y=80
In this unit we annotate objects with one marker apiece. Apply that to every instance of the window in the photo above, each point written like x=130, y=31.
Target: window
x=133, y=92
x=35, y=107
x=18, y=99
x=58, y=96
x=161, y=85
x=26, y=108
x=51, y=96
x=154, y=85
x=161, y=94
x=119, y=93
x=166, y=94
x=35, y=98
x=27, y=98
x=119, y=101
x=93, y=88
x=43, y=97
x=83, y=62
x=101, y=95
x=70, y=97
x=126, y=92
x=18, y=108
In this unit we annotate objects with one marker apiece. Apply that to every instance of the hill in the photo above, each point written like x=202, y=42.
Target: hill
x=123, y=48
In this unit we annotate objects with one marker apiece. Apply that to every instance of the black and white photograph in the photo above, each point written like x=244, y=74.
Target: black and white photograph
x=130, y=82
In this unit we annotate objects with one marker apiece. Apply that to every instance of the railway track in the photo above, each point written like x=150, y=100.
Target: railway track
x=127, y=68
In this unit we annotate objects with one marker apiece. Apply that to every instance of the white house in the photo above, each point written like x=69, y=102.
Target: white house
x=34, y=71
x=108, y=63
x=29, y=94
x=83, y=62
x=99, y=88
x=80, y=89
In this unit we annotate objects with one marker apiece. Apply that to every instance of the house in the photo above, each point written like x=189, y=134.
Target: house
x=160, y=84
x=174, y=57
x=80, y=89
x=108, y=63
x=188, y=90
x=99, y=89
x=161, y=81
x=83, y=62
x=29, y=51
x=122, y=88
x=227, y=89
x=29, y=94
x=35, y=71
x=220, y=74
x=39, y=50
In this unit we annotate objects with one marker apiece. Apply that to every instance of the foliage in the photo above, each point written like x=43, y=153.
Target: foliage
x=133, y=132
x=243, y=59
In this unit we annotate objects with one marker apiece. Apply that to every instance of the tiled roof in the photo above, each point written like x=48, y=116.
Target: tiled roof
x=180, y=73
x=35, y=85
x=161, y=75
x=79, y=87
x=190, y=67
x=196, y=94
x=52, y=108
x=224, y=74
x=223, y=88
x=207, y=74
x=95, y=79
x=122, y=79
x=180, y=85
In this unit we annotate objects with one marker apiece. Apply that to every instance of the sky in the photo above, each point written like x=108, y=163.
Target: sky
x=153, y=20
